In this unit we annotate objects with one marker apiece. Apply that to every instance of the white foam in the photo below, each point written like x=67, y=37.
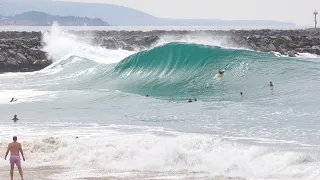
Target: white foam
x=116, y=150
x=59, y=44
x=308, y=55
x=204, y=39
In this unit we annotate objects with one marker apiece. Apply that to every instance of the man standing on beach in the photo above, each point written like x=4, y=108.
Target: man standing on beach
x=14, y=148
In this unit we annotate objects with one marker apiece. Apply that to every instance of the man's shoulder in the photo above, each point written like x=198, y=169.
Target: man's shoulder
x=12, y=143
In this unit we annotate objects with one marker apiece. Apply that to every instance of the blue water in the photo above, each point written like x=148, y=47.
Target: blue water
x=99, y=95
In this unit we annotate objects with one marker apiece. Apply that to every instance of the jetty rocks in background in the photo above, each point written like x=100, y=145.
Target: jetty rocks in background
x=286, y=42
x=21, y=52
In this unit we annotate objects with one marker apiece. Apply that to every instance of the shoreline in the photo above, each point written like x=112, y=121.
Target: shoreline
x=55, y=173
x=42, y=172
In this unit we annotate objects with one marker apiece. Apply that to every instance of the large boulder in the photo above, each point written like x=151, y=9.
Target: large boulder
x=271, y=47
x=21, y=59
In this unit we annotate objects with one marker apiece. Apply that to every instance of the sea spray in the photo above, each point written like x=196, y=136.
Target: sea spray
x=170, y=152
x=59, y=44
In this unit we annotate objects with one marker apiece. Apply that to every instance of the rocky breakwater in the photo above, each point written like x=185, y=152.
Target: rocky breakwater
x=21, y=52
x=285, y=42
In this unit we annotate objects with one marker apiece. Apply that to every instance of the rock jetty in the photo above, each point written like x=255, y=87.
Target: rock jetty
x=289, y=42
x=285, y=42
x=22, y=51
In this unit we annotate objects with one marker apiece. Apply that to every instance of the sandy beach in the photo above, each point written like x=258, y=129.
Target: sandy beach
x=56, y=173
x=38, y=173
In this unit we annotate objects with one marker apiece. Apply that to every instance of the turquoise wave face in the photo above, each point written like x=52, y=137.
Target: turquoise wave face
x=182, y=71
x=189, y=70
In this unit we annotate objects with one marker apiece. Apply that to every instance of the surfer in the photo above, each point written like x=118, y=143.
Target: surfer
x=14, y=148
x=15, y=119
x=221, y=71
x=13, y=100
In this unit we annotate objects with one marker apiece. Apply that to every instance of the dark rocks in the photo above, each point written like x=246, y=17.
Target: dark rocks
x=271, y=47
x=21, y=51
x=286, y=42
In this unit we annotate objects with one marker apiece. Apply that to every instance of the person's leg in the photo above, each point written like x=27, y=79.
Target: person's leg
x=18, y=163
x=20, y=172
x=11, y=171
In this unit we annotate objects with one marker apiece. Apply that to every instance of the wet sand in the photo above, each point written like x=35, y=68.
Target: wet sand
x=37, y=173
x=54, y=172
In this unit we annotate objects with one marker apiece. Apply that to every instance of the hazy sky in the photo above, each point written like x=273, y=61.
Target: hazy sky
x=297, y=11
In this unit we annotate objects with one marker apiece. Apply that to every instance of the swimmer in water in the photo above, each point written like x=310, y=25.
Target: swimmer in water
x=13, y=100
x=221, y=71
x=15, y=119
x=271, y=84
x=189, y=101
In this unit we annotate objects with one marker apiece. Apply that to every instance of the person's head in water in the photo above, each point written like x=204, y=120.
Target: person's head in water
x=221, y=71
x=271, y=84
x=15, y=119
x=241, y=93
x=147, y=95
x=195, y=99
x=14, y=138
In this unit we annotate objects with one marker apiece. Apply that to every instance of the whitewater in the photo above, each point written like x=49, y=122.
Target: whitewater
x=87, y=116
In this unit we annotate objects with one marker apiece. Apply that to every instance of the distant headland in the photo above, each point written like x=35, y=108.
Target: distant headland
x=121, y=16
x=35, y=18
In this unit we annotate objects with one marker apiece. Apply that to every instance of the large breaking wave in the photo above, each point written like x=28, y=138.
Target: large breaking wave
x=170, y=70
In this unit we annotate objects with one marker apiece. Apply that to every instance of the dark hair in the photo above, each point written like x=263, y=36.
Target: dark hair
x=14, y=138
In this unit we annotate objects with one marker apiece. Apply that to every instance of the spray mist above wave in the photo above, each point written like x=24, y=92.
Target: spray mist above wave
x=60, y=44
x=202, y=38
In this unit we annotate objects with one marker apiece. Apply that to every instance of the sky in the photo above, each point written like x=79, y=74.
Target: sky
x=296, y=11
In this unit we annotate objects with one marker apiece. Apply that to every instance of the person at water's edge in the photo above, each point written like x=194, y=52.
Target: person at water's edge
x=15, y=148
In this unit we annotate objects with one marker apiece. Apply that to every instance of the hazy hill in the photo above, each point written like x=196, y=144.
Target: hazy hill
x=35, y=18
x=116, y=15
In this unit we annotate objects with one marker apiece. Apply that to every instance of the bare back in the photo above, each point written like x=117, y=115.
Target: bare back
x=14, y=148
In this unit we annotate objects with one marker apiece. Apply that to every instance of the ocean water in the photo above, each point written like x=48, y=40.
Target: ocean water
x=99, y=96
